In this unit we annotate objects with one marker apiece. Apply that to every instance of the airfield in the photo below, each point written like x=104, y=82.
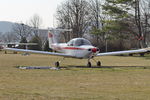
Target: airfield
x=120, y=78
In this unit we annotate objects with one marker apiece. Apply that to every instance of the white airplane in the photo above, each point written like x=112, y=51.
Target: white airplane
x=79, y=48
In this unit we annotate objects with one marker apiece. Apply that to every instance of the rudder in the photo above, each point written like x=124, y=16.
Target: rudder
x=51, y=39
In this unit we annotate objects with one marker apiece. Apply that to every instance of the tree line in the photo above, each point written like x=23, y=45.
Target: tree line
x=108, y=24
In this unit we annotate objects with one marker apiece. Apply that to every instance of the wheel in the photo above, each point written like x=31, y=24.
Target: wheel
x=57, y=64
x=89, y=64
x=98, y=63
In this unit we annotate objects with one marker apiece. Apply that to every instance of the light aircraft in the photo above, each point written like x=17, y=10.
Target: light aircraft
x=79, y=48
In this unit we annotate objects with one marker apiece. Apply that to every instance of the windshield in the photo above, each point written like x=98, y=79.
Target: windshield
x=80, y=42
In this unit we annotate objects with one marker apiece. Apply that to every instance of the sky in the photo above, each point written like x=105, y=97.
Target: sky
x=22, y=10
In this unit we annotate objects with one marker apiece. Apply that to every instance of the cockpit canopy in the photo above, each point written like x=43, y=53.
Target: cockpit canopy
x=78, y=42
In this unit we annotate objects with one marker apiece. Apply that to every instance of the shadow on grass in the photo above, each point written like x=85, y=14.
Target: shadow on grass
x=85, y=67
x=143, y=67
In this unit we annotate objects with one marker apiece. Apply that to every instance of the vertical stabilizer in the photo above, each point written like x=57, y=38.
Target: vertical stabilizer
x=51, y=39
x=53, y=36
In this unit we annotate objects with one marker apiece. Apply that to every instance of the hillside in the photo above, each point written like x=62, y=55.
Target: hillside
x=5, y=26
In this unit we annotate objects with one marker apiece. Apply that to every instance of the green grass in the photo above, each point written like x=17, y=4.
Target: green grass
x=147, y=56
x=125, y=79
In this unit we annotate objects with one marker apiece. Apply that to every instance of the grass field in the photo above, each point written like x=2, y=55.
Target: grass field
x=122, y=78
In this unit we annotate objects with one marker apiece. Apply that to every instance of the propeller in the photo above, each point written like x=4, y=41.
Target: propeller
x=94, y=50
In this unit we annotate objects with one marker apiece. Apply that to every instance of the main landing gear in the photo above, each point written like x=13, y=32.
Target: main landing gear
x=57, y=64
x=90, y=65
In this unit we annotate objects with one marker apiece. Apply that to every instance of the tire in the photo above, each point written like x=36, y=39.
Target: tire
x=89, y=64
x=57, y=64
x=99, y=64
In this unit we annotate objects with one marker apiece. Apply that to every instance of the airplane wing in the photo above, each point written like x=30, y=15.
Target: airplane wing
x=37, y=52
x=124, y=52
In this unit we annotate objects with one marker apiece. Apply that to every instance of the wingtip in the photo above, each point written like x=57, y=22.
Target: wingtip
x=148, y=48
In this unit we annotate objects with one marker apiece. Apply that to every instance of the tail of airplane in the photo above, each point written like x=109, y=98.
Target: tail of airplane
x=51, y=39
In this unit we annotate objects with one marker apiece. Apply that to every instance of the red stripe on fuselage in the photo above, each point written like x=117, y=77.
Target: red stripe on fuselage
x=73, y=48
x=67, y=48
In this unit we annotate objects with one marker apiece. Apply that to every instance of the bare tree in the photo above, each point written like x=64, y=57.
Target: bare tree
x=141, y=20
x=22, y=31
x=43, y=37
x=74, y=14
x=96, y=12
x=146, y=21
x=40, y=34
x=35, y=22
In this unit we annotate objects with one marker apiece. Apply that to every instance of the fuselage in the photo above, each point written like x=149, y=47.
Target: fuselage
x=82, y=51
